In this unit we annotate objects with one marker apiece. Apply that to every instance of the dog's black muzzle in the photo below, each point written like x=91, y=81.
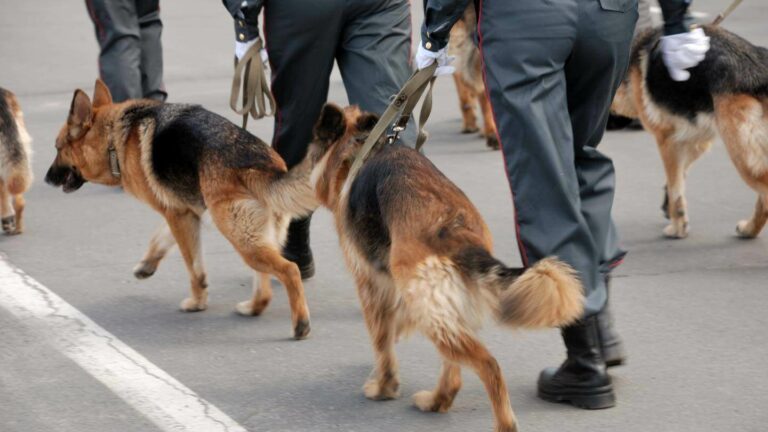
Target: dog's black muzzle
x=67, y=177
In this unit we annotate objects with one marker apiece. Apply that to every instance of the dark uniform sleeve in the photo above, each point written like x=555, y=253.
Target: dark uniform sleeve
x=246, y=15
x=674, y=12
x=439, y=18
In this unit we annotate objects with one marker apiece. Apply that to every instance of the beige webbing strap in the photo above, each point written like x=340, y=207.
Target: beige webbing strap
x=250, y=71
x=403, y=105
x=723, y=15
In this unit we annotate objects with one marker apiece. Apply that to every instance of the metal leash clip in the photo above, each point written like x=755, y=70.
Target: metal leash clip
x=395, y=134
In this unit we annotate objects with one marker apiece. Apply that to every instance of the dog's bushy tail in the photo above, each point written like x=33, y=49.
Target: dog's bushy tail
x=292, y=193
x=548, y=294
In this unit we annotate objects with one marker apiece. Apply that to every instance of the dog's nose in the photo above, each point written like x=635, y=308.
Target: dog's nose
x=55, y=175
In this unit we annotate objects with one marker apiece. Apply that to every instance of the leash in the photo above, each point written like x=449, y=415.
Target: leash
x=403, y=105
x=724, y=14
x=250, y=71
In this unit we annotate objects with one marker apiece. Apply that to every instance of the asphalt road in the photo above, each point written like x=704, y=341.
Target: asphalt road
x=692, y=312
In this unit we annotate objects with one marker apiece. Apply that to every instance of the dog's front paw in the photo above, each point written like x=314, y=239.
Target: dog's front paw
x=194, y=305
x=144, y=270
x=746, y=229
x=9, y=225
x=676, y=231
x=374, y=389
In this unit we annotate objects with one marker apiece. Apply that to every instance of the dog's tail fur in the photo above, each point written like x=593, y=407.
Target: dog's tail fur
x=292, y=193
x=546, y=295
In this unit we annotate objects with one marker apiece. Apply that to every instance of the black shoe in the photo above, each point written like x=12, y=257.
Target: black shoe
x=611, y=345
x=581, y=380
x=297, y=249
x=635, y=125
x=617, y=122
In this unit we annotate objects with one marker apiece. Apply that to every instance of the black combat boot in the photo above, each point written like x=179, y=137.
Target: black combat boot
x=297, y=249
x=610, y=342
x=582, y=379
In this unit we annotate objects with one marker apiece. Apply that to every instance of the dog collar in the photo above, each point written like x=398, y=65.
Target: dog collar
x=114, y=164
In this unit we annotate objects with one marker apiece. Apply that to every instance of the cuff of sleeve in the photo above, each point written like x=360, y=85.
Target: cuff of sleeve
x=431, y=43
x=247, y=26
x=675, y=28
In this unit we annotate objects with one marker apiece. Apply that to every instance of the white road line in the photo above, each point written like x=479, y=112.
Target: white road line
x=151, y=391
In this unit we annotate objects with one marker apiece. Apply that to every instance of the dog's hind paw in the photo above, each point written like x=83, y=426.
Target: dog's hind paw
x=746, y=229
x=192, y=305
x=492, y=142
x=301, y=329
x=375, y=390
x=248, y=308
x=672, y=231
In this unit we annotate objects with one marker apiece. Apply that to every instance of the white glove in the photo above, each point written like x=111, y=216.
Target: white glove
x=425, y=57
x=242, y=47
x=684, y=51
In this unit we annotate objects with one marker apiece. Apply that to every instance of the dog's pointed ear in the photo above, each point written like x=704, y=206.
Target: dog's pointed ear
x=331, y=125
x=80, y=113
x=101, y=94
x=366, y=122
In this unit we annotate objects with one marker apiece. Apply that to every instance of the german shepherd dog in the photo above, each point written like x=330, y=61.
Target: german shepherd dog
x=15, y=163
x=420, y=254
x=727, y=93
x=469, y=78
x=182, y=160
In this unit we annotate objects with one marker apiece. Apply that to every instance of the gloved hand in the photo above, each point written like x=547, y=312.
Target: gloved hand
x=242, y=47
x=425, y=57
x=684, y=51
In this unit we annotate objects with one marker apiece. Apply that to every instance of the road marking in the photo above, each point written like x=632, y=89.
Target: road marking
x=165, y=401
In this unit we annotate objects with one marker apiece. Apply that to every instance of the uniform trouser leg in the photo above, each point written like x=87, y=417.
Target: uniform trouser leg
x=151, y=29
x=538, y=57
x=301, y=38
x=118, y=34
x=374, y=54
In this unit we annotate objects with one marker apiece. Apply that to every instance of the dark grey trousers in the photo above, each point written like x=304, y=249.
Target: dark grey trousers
x=369, y=39
x=552, y=68
x=131, y=58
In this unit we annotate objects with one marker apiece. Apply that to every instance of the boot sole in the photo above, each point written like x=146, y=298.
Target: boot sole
x=614, y=355
x=594, y=401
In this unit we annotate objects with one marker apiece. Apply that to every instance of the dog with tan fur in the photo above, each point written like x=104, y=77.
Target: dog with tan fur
x=182, y=160
x=726, y=95
x=421, y=257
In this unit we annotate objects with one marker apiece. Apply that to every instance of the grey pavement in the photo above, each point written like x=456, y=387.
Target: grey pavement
x=692, y=312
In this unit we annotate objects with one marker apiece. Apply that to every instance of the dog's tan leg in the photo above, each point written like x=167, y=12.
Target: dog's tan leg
x=466, y=104
x=441, y=398
x=674, y=167
x=751, y=228
x=379, y=313
x=162, y=241
x=185, y=227
x=489, y=125
x=262, y=295
x=6, y=209
x=249, y=227
x=18, y=206
x=463, y=347
x=268, y=260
